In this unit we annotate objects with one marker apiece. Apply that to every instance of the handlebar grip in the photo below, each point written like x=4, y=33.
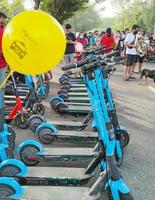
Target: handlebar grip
x=69, y=66
x=75, y=65
x=74, y=71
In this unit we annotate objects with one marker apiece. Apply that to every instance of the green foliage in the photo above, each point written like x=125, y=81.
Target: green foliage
x=139, y=12
x=11, y=9
x=86, y=20
x=62, y=9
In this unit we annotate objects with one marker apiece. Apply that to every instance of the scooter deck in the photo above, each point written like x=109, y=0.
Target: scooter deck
x=74, y=84
x=58, y=173
x=69, y=152
x=78, y=133
x=56, y=193
x=77, y=109
x=79, y=99
x=66, y=123
x=77, y=104
x=77, y=94
x=78, y=89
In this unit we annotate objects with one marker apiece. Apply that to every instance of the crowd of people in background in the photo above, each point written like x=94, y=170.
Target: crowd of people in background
x=132, y=44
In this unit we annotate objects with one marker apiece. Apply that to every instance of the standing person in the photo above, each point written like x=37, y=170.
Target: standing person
x=3, y=64
x=94, y=38
x=108, y=40
x=70, y=47
x=82, y=39
x=131, y=52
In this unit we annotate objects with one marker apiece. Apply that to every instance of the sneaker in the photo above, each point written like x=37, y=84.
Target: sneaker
x=126, y=79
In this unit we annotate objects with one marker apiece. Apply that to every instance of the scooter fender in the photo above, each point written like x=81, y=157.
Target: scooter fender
x=53, y=129
x=56, y=97
x=18, y=164
x=31, y=142
x=10, y=182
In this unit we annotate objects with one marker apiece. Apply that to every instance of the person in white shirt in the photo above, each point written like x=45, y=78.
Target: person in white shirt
x=131, y=52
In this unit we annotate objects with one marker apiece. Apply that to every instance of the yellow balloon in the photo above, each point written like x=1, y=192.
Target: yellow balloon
x=33, y=42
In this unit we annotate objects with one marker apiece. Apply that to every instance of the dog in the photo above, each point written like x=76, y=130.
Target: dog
x=147, y=74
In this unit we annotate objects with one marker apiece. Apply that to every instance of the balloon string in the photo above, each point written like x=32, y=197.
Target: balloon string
x=5, y=80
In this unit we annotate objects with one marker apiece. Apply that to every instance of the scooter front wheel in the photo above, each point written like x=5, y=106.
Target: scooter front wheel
x=123, y=137
x=26, y=152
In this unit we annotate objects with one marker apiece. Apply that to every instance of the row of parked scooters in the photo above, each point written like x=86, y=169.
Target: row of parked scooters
x=90, y=160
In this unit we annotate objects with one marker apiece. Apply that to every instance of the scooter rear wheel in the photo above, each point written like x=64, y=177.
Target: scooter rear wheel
x=6, y=191
x=35, y=121
x=38, y=108
x=45, y=135
x=29, y=150
x=9, y=170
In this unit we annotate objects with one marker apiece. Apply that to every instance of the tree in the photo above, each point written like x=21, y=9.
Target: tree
x=60, y=9
x=11, y=9
x=138, y=12
x=86, y=20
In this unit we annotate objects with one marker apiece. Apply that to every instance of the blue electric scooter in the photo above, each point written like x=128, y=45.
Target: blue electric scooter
x=115, y=184
x=30, y=151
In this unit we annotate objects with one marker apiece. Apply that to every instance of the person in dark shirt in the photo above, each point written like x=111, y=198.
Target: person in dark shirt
x=70, y=47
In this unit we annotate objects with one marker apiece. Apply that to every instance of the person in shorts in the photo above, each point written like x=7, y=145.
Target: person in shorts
x=131, y=52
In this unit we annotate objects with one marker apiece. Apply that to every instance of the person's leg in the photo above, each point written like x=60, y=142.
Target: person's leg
x=2, y=90
x=66, y=59
x=128, y=67
x=72, y=58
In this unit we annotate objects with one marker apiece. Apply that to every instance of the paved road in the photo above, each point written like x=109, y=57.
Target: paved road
x=136, y=111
